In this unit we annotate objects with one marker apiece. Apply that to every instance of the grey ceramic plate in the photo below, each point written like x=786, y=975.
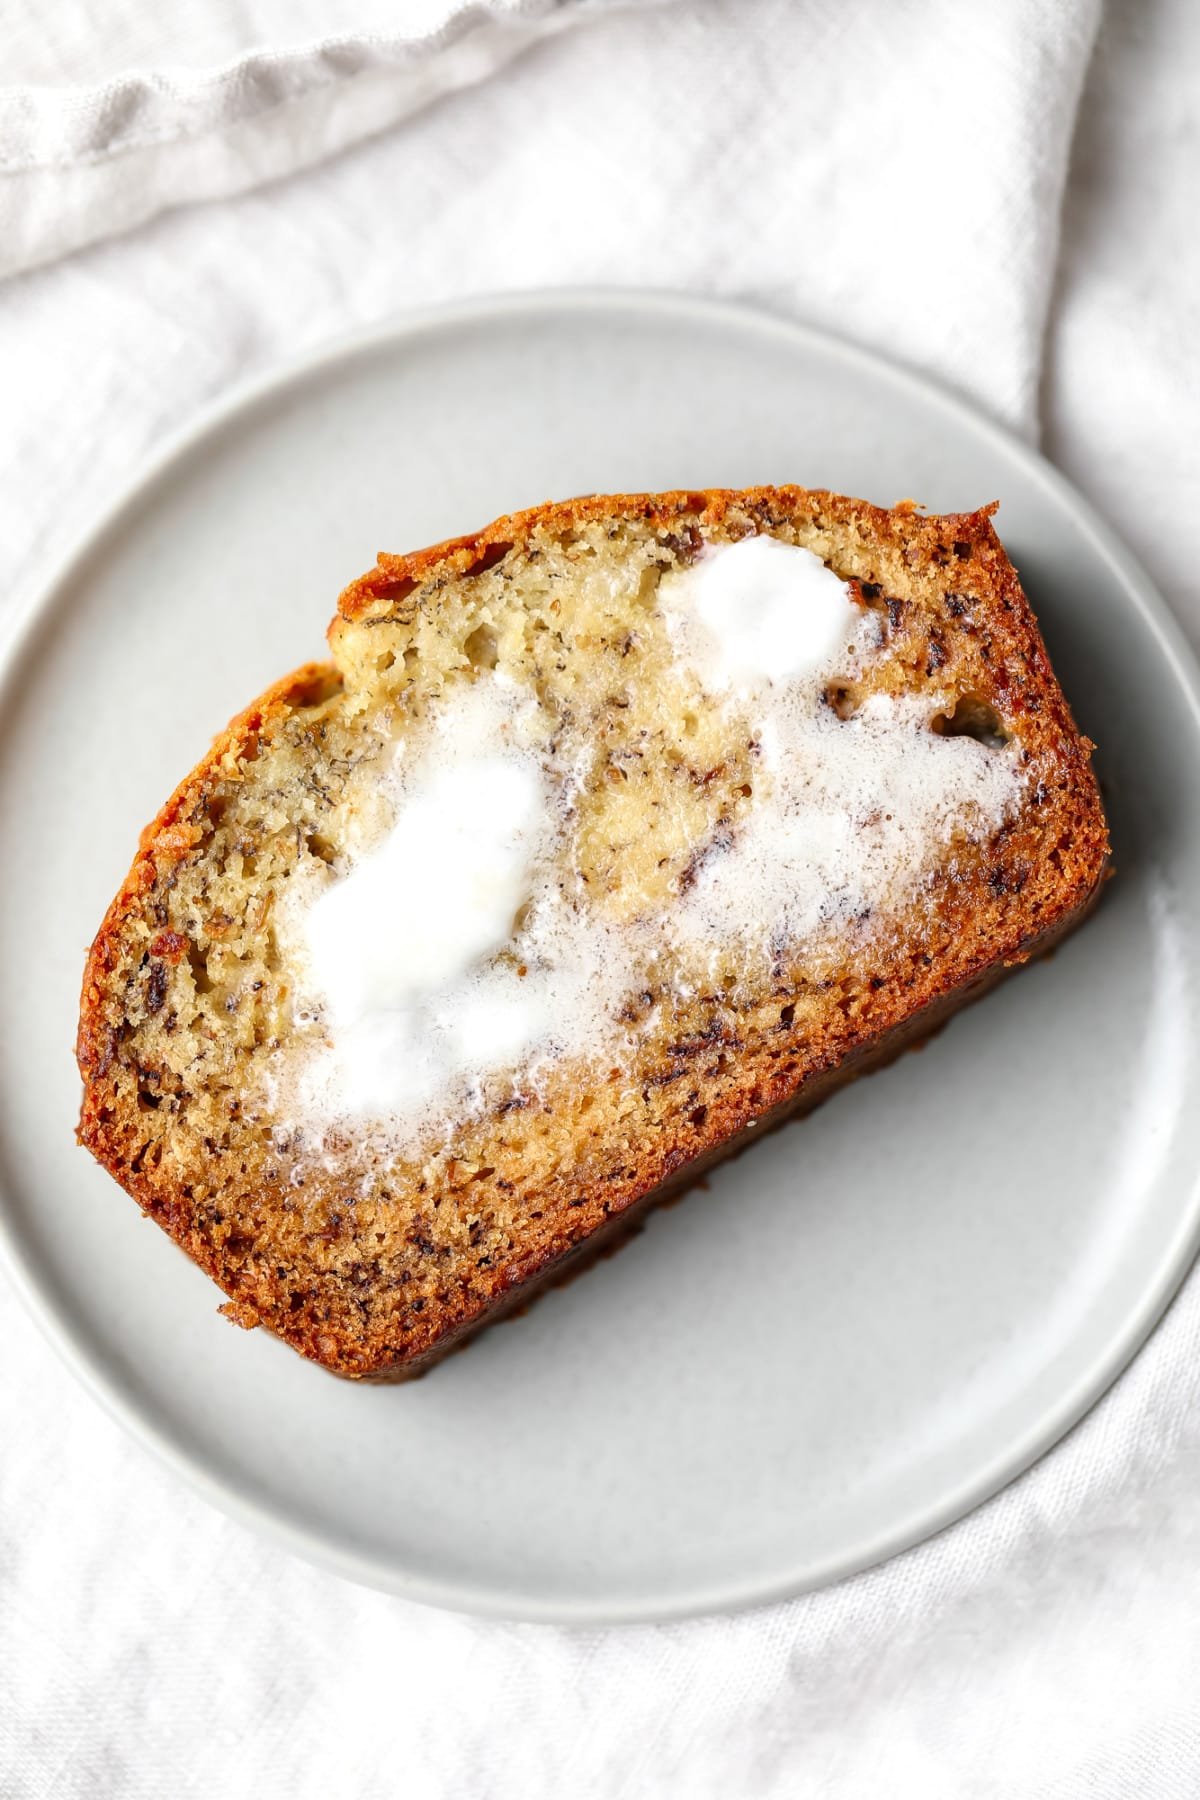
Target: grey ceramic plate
x=866, y=1325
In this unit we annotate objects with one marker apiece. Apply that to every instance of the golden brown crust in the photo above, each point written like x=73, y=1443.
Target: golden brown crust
x=1020, y=911
x=394, y=577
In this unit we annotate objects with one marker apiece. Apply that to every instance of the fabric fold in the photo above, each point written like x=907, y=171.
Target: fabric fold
x=82, y=163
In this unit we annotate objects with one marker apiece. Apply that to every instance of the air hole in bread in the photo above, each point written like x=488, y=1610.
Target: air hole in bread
x=647, y=590
x=199, y=968
x=973, y=718
x=481, y=647
x=495, y=553
x=843, y=698
x=321, y=848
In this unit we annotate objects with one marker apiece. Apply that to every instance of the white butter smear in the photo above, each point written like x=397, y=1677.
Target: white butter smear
x=848, y=810
x=441, y=891
x=767, y=611
x=412, y=962
x=456, y=954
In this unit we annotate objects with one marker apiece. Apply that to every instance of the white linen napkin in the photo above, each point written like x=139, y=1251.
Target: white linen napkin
x=897, y=173
x=275, y=90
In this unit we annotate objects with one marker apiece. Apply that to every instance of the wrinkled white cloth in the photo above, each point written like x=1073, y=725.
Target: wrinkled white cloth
x=82, y=160
x=901, y=173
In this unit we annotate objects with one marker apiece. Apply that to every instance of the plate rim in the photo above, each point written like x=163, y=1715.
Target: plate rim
x=43, y=594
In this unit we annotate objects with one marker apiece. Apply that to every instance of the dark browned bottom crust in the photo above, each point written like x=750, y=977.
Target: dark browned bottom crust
x=912, y=1035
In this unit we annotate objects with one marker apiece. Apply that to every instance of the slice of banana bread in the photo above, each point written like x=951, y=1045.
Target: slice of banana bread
x=612, y=834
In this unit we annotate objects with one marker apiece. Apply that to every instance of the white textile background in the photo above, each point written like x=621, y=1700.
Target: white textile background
x=1002, y=195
